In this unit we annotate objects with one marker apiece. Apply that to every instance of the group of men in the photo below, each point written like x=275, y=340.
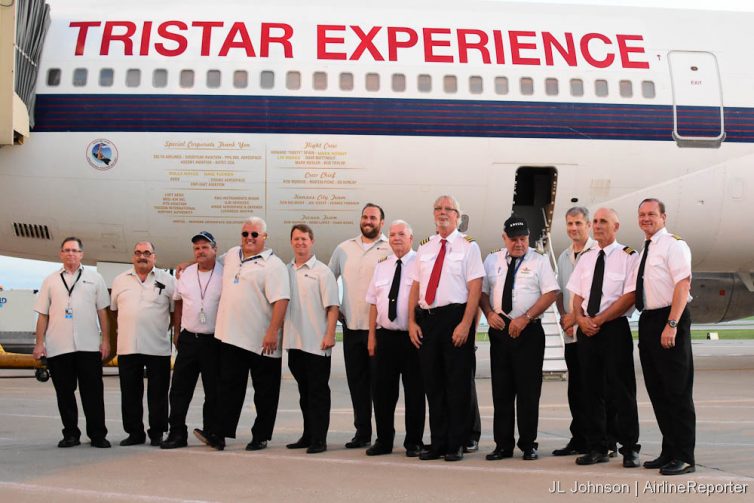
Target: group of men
x=406, y=314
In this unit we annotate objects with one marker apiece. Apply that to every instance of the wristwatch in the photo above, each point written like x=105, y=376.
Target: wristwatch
x=672, y=323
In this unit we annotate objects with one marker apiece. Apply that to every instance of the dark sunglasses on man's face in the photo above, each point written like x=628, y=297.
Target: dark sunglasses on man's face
x=254, y=234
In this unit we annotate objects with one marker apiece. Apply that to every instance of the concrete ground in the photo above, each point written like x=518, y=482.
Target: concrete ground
x=32, y=468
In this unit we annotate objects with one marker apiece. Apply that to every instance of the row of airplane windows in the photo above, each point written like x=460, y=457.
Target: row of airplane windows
x=345, y=80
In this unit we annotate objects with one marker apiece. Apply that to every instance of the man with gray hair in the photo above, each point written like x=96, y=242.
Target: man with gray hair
x=391, y=346
x=255, y=294
x=142, y=297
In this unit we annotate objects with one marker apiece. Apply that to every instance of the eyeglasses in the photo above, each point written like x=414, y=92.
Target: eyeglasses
x=254, y=234
x=70, y=250
x=445, y=208
x=145, y=254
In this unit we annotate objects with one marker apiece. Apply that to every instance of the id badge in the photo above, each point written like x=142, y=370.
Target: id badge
x=202, y=317
x=235, y=280
x=69, y=313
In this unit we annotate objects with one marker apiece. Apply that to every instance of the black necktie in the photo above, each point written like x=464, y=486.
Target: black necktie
x=507, y=304
x=640, y=277
x=392, y=297
x=595, y=294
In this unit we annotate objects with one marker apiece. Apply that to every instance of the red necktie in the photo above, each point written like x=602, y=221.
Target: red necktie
x=434, y=278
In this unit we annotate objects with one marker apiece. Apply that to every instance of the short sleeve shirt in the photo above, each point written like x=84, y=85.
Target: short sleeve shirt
x=80, y=332
x=189, y=288
x=313, y=290
x=379, y=290
x=143, y=312
x=249, y=289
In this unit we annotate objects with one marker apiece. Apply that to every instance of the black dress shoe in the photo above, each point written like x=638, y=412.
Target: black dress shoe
x=69, y=442
x=530, y=454
x=677, y=467
x=316, y=448
x=174, y=442
x=256, y=445
x=471, y=446
x=631, y=459
x=358, y=443
x=569, y=450
x=155, y=441
x=413, y=450
x=210, y=439
x=592, y=457
x=101, y=443
x=429, y=453
x=301, y=443
x=657, y=462
x=455, y=455
x=499, y=454
x=133, y=440
x=378, y=449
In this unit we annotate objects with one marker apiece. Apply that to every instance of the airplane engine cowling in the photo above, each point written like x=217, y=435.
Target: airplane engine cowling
x=719, y=297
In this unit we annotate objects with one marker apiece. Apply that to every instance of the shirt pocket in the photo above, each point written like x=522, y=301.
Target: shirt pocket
x=455, y=263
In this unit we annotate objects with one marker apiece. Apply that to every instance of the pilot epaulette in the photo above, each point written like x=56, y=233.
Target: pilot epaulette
x=424, y=241
x=677, y=237
x=382, y=259
x=629, y=250
x=469, y=239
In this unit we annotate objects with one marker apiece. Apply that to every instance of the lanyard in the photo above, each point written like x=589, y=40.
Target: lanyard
x=203, y=291
x=520, y=261
x=70, y=290
x=243, y=260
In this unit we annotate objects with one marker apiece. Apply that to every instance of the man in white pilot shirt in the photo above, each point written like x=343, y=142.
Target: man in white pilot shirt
x=309, y=336
x=256, y=290
x=519, y=285
x=390, y=344
x=603, y=297
x=142, y=298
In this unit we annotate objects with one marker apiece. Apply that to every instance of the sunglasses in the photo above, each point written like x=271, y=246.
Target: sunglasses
x=254, y=234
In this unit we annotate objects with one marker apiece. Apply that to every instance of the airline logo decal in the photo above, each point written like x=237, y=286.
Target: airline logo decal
x=101, y=154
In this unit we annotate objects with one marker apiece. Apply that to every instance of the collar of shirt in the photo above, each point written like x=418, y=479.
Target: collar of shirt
x=152, y=273
x=590, y=244
x=408, y=257
x=609, y=249
x=264, y=254
x=657, y=235
x=63, y=270
x=359, y=242
x=451, y=237
x=309, y=264
x=507, y=256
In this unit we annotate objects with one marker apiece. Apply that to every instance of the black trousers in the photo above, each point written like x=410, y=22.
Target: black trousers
x=198, y=354
x=607, y=364
x=516, y=368
x=475, y=420
x=360, y=376
x=575, y=397
x=669, y=376
x=131, y=370
x=447, y=374
x=312, y=373
x=235, y=366
x=82, y=368
x=397, y=357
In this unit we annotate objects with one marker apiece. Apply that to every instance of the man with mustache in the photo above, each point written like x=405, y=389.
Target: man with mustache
x=142, y=297
x=354, y=260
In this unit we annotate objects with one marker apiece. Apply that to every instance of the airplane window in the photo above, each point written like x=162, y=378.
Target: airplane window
x=399, y=82
x=450, y=84
x=267, y=79
x=319, y=81
x=240, y=79
x=501, y=85
x=648, y=89
x=600, y=88
x=373, y=81
x=424, y=83
x=577, y=87
x=527, y=85
x=626, y=88
x=133, y=77
x=551, y=87
x=293, y=80
x=186, y=78
x=346, y=81
x=79, y=77
x=476, y=85
x=53, y=77
x=160, y=78
x=214, y=78
x=106, y=77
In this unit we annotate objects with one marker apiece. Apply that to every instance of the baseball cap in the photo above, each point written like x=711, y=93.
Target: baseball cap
x=204, y=235
x=516, y=226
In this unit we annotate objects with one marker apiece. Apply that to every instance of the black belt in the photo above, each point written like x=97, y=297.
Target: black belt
x=433, y=311
x=658, y=310
x=509, y=319
x=184, y=331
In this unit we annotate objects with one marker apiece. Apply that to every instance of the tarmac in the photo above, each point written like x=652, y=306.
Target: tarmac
x=33, y=469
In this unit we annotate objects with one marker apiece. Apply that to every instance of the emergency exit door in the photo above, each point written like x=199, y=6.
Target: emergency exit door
x=698, y=114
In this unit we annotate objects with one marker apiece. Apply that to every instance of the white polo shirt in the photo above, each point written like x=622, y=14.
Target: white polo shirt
x=354, y=261
x=313, y=290
x=668, y=262
x=462, y=263
x=533, y=278
x=189, y=288
x=143, y=312
x=620, y=261
x=566, y=263
x=81, y=332
x=379, y=289
x=249, y=290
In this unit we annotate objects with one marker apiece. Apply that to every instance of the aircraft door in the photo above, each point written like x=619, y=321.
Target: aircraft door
x=698, y=114
x=534, y=199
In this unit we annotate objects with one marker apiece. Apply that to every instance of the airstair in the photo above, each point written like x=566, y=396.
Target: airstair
x=554, y=366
